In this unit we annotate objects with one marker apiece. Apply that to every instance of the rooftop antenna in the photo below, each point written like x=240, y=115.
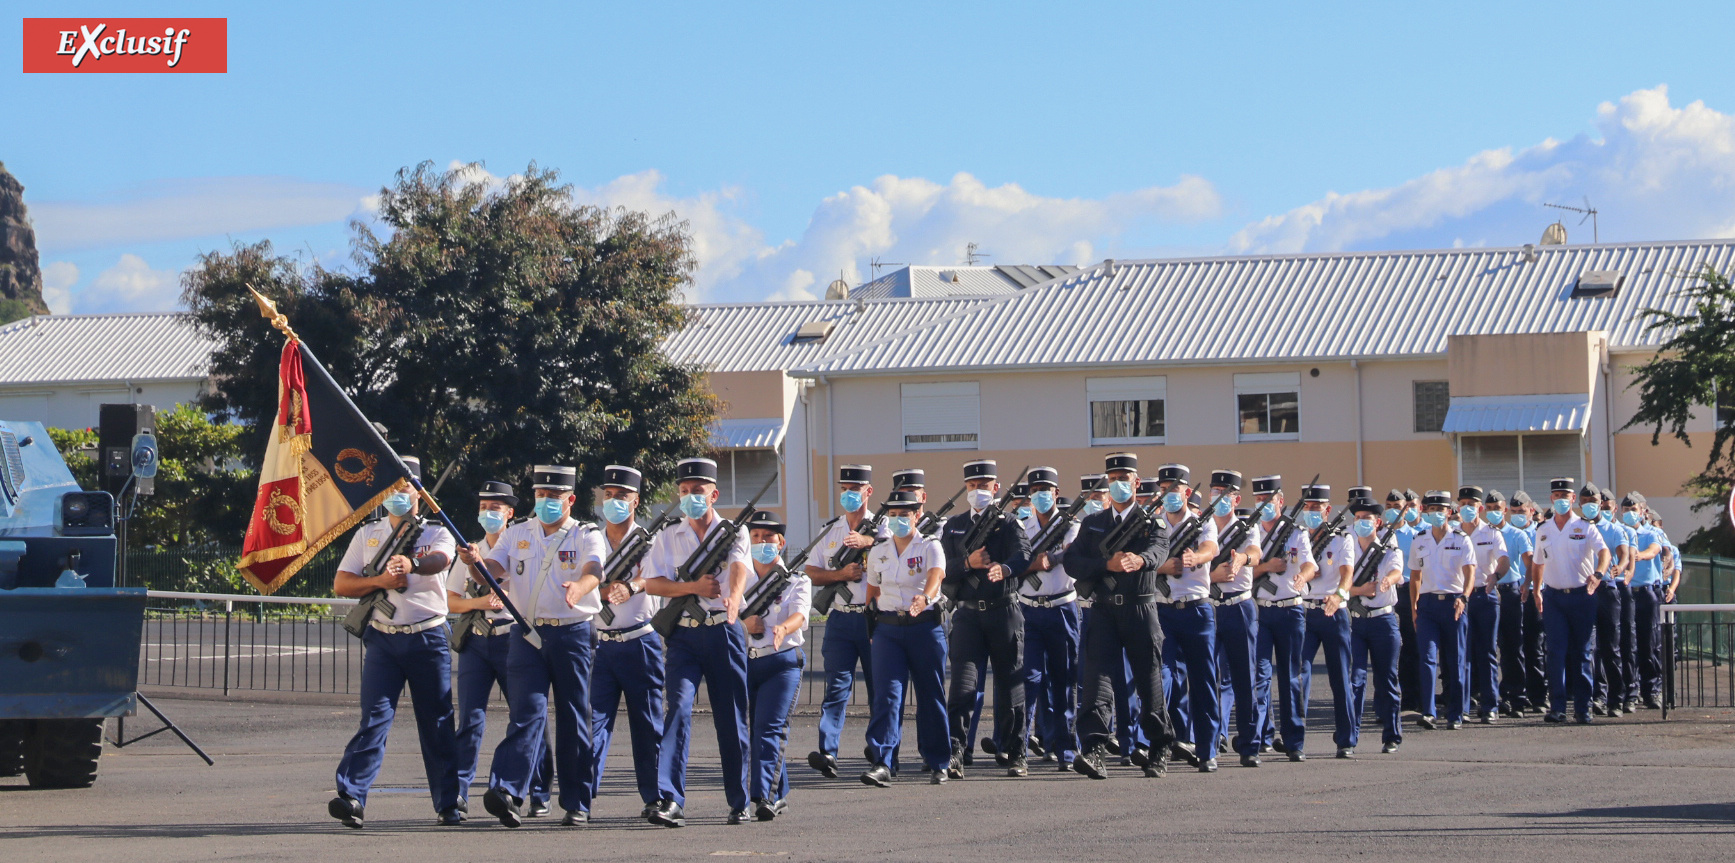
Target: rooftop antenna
x=876, y=265
x=1589, y=214
x=971, y=253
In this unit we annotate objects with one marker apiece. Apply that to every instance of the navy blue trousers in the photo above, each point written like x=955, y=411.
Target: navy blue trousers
x=1613, y=662
x=1051, y=677
x=1569, y=620
x=1281, y=633
x=1374, y=643
x=719, y=655
x=845, y=644
x=562, y=664
x=1484, y=660
x=1331, y=635
x=1512, y=625
x=424, y=661
x=480, y=667
x=1648, y=632
x=1441, y=645
x=1237, y=646
x=1114, y=637
x=915, y=654
x=1190, y=652
x=1535, y=657
x=773, y=682
x=630, y=670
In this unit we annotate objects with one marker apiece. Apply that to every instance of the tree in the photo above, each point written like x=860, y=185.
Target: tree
x=1685, y=373
x=505, y=324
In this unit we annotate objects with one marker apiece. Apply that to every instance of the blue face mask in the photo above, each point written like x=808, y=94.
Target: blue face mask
x=1364, y=527
x=900, y=525
x=1589, y=511
x=1224, y=506
x=398, y=503
x=1434, y=518
x=765, y=552
x=1043, y=501
x=1311, y=519
x=849, y=500
x=1092, y=506
x=616, y=510
x=1630, y=518
x=1024, y=512
x=694, y=505
x=548, y=510
x=1494, y=518
x=1410, y=516
x=1392, y=514
x=491, y=521
x=1173, y=501
x=1121, y=490
x=1267, y=512
x=1467, y=515
x=1561, y=505
x=1518, y=521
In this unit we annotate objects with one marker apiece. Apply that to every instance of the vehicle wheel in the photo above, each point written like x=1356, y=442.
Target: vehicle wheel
x=62, y=753
x=12, y=732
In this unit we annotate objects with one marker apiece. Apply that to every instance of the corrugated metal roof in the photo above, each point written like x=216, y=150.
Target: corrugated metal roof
x=1289, y=307
x=747, y=433
x=55, y=349
x=1517, y=413
x=924, y=281
x=742, y=337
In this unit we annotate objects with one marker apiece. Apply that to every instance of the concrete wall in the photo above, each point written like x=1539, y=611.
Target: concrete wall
x=78, y=406
x=1524, y=363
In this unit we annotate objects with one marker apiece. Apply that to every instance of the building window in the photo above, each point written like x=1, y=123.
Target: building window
x=941, y=416
x=741, y=472
x=1528, y=461
x=1269, y=406
x=1126, y=410
x=1432, y=399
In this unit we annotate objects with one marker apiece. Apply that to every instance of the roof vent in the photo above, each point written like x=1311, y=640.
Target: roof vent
x=949, y=276
x=813, y=331
x=1554, y=235
x=1598, y=283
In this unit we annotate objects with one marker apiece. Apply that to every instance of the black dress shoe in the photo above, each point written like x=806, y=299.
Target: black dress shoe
x=825, y=764
x=1113, y=746
x=1583, y=720
x=504, y=807
x=450, y=818
x=1264, y=749
x=1554, y=717
x=1454, y=725
x=937, y=777
x=1139, y=757
x=1347, y=753
x=575, y=818
x=1089, y=763
x=1651, y=703
x=1487, y=718
x=1597, y=708
x=1017, y=767
x=646, y=812
x=764, y=810
x=1297, y=755
x=1066, y=766
x=877, y=776
x=668, y=813
x=1209, y=765
x=1184, y=752
x=1614, y=712
x=1249, y=761
x=346, y=809
x=737, y=816
x=464, y=805
x=538, y=809
x=1036, y=748
x=1388, y=749
x=1426, y=722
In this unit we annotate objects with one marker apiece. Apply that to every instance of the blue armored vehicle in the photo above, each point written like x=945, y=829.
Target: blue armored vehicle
x=69, y=638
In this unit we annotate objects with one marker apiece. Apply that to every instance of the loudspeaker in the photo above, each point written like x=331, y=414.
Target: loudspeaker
x=118, y=425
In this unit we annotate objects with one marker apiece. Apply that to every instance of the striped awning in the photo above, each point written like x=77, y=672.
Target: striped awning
x=1548, y=413
x=747, y=433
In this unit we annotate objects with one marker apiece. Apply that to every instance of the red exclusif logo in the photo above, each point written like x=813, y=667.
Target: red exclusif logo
x=126, y=45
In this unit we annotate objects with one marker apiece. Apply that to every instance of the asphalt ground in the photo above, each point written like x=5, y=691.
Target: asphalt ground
x=1628, y=789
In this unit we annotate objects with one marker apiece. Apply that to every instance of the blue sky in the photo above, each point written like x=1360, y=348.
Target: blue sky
x=804, y=139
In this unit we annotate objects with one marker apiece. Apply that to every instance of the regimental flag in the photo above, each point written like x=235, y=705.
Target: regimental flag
x=325, y=469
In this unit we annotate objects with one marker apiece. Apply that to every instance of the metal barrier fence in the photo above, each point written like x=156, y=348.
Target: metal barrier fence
x=1697, y=651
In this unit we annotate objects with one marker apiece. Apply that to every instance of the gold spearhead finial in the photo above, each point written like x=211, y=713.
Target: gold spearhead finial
x=268, y=310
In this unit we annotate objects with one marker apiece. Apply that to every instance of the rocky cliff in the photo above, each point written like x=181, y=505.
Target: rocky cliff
x=20, y=270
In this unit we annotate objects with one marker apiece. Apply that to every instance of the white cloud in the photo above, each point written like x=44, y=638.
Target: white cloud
x=184, y=209
x=129, y=286
x=57, y=281
x=1654, y=172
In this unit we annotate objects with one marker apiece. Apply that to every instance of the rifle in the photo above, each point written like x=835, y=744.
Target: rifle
x=625, y=560
x=1227, y=544
x=870, y=528
x=1278, y=541
x=408, y=531
x=766, y=591
x=987, y=521
x=1049, y=537
x=704, y=560
x=1185, y=535
x=1367, y=569
x=1330, y=531
x=931, y=521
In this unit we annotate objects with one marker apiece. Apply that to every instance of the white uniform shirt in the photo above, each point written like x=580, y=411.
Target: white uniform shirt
x=1296, y=553
x=1340, y=551
x=1441, y=561
x=855, y=592
x=1194, y=582
x=520, y=553
x=797, y=598
x=900, y=575
x=675, y=544
x=1054, y=581
x=1490, y=546
x=639, y=608
x=1393, y=562
x=458, y=578
x=425, y=596
x=1567, y=554
x=1242, y=578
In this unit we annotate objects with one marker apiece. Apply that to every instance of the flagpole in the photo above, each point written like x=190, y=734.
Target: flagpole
x=269, y=310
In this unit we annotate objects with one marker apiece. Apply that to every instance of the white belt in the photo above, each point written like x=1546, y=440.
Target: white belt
x=1382, y=611
x=711, y=619
x=1048, y=601
x=625, y=634
x=1279, y=603
x=756, y=652
x=1313, y=602
x=849, y=609
x=409, y=628
x=554, y=621
x=1237, y=599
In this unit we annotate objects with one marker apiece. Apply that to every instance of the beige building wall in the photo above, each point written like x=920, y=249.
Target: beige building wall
x=1524, y=363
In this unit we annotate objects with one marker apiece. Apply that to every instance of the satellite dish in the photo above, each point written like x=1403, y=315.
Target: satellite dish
x=1554, y=235
x=837, y=290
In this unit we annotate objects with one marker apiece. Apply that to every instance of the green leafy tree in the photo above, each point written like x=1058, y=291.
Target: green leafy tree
x=1697, y=357
x=508, y=325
